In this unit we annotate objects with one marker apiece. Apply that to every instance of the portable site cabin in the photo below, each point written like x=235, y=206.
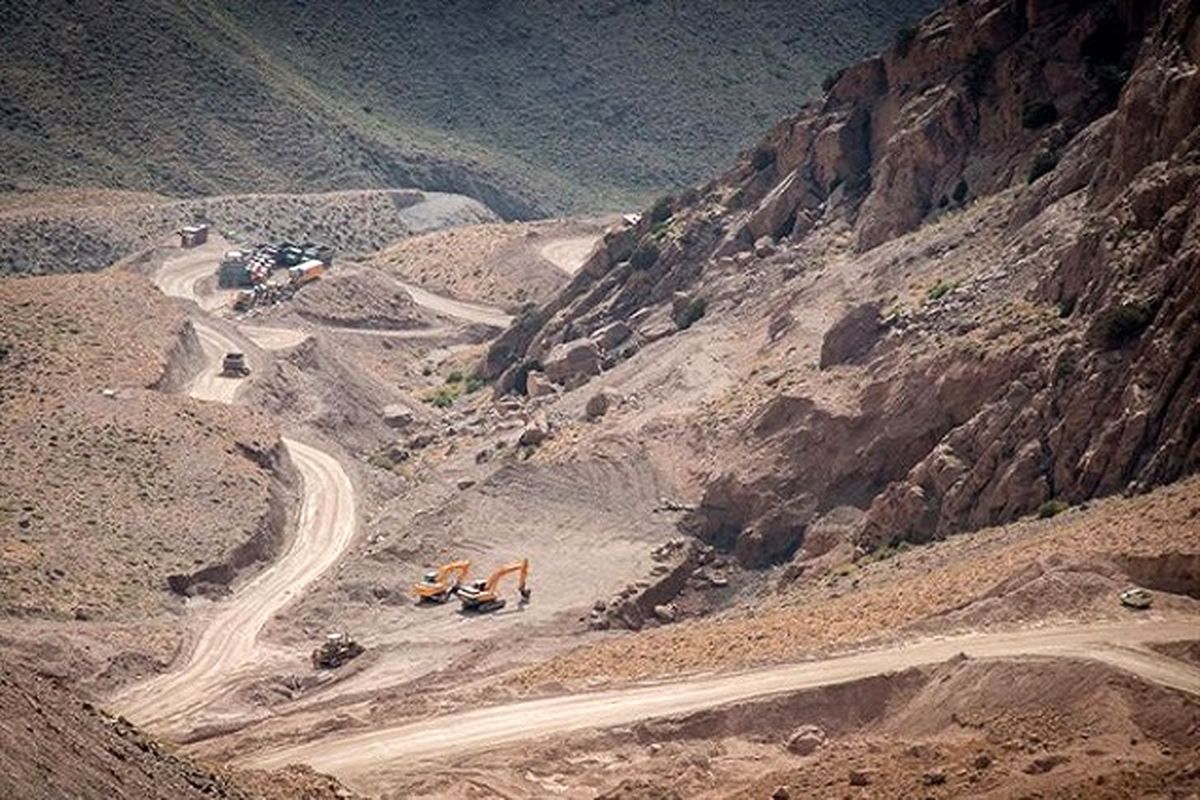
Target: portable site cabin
x=193, y=235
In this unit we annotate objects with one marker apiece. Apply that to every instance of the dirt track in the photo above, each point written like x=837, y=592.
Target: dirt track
x=362, y=753
x=469, y=312
x=227, y=646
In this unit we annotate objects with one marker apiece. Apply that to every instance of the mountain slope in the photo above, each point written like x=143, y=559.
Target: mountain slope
x=959, y=288
x=552, y=106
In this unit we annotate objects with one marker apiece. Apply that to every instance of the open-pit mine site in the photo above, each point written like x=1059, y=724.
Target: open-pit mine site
x=620, y=400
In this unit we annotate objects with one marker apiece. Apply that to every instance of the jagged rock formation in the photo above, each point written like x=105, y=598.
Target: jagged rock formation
x=1044, y=154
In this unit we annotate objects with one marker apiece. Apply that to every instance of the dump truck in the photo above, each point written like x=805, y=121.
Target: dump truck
x=234, y=365
x=234, y=270
x=336, y=650
x=437, y=586
x=482, y=595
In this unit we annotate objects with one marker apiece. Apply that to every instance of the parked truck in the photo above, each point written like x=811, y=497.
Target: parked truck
x=306, y=272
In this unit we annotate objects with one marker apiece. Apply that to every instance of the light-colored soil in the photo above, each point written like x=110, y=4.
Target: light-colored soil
x=996, y=728
x=1033, y=570
x=454, y=735
x=504, y=264
x=80, y=468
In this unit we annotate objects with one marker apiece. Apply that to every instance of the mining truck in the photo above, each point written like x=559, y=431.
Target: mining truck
x=234, y=365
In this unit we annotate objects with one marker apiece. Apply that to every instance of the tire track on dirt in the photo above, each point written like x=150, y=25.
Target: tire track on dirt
x=1118, y=645
x=226, y=650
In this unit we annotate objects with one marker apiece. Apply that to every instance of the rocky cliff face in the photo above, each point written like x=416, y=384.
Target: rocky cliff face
x=990, y=235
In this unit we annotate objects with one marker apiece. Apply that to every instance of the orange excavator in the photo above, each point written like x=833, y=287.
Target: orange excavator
x=481, y=595
x=438, y=585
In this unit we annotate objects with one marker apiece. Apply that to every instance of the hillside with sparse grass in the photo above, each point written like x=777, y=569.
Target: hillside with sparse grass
x=539, y=108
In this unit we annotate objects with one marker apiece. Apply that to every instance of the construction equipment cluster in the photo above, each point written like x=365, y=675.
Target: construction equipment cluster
x=253, y=271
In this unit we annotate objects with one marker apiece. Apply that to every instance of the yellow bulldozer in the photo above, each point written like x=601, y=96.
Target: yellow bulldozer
x=482, y=595
x=438, y=585
x=337, y=649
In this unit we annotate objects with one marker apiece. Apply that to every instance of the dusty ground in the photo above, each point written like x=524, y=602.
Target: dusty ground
x=1068, y=567
x=503, y=264
x=990, y=728
x=84, y=469
x=47, y=725
x=75, y=229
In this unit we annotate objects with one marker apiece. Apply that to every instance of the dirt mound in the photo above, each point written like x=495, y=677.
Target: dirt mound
x=67, y=231
x=499, y=264
x=55, y=744
x=93, y=457
x=359, y=298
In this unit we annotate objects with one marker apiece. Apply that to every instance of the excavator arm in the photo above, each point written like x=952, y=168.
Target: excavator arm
x=457, y=568
x=520, y=567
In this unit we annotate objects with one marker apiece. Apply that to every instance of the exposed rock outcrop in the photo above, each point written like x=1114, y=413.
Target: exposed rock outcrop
x=1056, y=146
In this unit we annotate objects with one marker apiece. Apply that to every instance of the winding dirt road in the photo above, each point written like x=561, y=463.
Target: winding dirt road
x=459, y=309
x=227, y=651
x=1119, y=645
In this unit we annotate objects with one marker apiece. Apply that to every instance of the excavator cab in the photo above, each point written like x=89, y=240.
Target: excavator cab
x=483, y=595
x=438, y=585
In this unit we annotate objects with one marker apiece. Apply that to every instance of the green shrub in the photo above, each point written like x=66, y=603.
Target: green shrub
x=960, y=191
x=831, y=80
x=661, y=210
x=474, y=384
x=1043, y=162
x=444, y=396
x=659, y=231
x=762, y=157
x=692, y=312
x=940, y=289
x=1038, y=114
x=1051, y=508
x=978, y=73
x=1121, y=324
x=645, y=254
x=454, y=377
x=1066, y=365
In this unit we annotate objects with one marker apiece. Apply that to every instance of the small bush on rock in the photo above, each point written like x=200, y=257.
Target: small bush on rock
x=1120, y=325
x=1038, y=114
x=661, y=210
x=1051, y=508
x=692, y=312
x=645, y=254
x=1043, y=162
x=941, y=289
x=762, y=158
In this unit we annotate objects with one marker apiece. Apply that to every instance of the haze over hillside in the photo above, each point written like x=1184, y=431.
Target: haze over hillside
x=530, y=108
